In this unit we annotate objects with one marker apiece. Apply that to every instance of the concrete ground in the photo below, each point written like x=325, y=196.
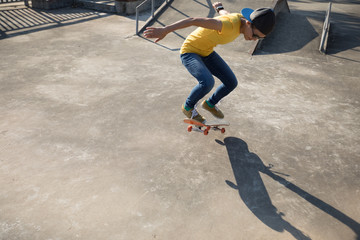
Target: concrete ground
x=92, y=143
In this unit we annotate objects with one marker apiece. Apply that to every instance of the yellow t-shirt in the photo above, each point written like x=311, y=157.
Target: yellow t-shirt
x=202, y=41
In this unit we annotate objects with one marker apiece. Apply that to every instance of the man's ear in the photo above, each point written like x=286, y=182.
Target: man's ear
x=248, y=22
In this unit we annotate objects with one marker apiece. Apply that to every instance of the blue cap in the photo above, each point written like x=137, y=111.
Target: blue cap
x=246, y=12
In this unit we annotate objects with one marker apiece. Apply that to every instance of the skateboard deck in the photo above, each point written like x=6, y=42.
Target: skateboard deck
x=217, y=125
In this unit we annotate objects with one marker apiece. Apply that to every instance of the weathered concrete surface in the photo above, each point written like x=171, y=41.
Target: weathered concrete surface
x=93, y=145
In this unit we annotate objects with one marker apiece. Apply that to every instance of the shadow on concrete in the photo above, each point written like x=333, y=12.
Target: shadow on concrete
x=19, y=21
x=161, y=45
x=247, y=167
x=344, y=34
x=212, y=12
x=291, y=33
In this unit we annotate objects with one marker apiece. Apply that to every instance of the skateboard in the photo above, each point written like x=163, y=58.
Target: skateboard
x=217, y=125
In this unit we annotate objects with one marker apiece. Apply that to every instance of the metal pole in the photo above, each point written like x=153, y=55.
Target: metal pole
x=152, y=8
x=137, y=20
x=152, y=13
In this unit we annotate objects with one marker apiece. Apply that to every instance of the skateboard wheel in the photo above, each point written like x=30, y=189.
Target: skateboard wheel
x=189, y=128
x=206, y=131
x=223, y=130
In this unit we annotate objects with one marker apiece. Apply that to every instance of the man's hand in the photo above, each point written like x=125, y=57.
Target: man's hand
x=217, y=4
x=158, y=33
x=222, y=11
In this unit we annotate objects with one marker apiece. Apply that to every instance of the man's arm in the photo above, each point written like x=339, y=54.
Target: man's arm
x=161, y=32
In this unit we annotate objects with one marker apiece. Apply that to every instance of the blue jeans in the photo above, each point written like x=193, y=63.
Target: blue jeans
x=203, y=69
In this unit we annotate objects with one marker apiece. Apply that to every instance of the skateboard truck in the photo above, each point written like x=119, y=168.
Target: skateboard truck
x=198, y=126
x=206, y=130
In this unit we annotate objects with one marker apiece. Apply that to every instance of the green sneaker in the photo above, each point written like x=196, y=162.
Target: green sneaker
x=193, y=114
x=215, y=111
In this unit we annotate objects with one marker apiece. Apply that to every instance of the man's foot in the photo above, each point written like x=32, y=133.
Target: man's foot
x=215, y=111
x=193, y=114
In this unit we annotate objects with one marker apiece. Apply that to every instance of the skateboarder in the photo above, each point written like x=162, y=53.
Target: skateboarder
x=200, y=59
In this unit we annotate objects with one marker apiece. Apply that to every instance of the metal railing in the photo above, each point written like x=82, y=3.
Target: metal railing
x=325, y=31
x=153, y=13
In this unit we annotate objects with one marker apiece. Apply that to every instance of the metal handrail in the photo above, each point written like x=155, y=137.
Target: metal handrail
x=325, y=31
x=152, y=13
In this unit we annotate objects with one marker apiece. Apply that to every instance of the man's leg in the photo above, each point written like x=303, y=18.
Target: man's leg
x=195, y=65
x=219, y=68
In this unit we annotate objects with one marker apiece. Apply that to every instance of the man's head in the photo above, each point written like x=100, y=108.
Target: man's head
x=263, y=19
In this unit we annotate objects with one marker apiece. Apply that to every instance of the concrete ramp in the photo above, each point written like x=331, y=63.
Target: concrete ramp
x=294, y=34
x=299, y=32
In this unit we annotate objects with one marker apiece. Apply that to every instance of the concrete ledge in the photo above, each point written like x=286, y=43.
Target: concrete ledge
x=128, y=7
x=98, y=5
x=50, y=4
